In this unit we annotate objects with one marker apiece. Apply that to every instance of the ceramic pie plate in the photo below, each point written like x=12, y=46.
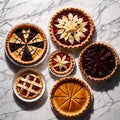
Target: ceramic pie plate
x=34, y=71
x=39, y=30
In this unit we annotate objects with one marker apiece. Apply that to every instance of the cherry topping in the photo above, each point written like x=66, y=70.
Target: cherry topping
x=31, y=78
x=24, y=92
x=27, y=84
x=61, y=55
x=37, y=80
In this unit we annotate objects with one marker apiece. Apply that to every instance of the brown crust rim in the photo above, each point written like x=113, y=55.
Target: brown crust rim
x=69, y=70
x=67, y=79
x=115, y=56
x=22, y=26
x=71, y=46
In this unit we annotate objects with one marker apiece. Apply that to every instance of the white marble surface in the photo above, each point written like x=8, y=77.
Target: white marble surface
x=106, y=16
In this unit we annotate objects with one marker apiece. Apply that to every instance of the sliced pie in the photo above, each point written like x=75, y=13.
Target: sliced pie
x=70, y=97
x=98, y=61
x=61, y=63
x=26, y=44
x=71, y=28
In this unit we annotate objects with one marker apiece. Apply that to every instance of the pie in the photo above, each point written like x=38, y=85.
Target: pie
x=71, y=28
x=61, y=63
x=26, y=44
x=29, y=84
x=70, y=97
x=98, y=61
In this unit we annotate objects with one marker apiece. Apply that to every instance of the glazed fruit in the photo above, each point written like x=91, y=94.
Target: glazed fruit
x=98, y=60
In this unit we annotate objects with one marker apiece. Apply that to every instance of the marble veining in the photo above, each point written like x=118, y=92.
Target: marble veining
x=106, y=17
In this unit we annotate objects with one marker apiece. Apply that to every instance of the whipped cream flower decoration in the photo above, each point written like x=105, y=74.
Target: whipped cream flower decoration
x=71, y=28
x=61, y=62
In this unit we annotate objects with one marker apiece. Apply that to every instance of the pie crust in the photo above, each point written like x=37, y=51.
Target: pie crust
x=70, y=97
x=98, y=61
x=26, y=44
x=71, y=28
x=61, y=63
x=29, y=84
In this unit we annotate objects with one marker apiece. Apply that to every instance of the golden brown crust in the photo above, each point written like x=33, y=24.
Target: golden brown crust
x=77, y=45
x=61, y=73
x=36, y=59
x=77, y=110
x=114, y=54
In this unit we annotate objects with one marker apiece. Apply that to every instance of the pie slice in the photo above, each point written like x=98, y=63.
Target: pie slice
x=71, y=28
x=26, y=44
x=98, y=61
x=74, y=98
x=61, y=63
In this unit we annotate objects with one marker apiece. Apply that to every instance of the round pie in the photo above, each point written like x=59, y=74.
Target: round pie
x=71, y=28
x=26, y=44
x=70, y=96
x=98, y=61
x=61, y=63
x=29, y=85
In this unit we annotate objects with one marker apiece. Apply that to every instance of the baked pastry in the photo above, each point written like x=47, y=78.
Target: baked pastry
x=70, y=97
x=98, y=61
x=71, y=28
x=61, y=63
x=26, y=44
x=29, y=84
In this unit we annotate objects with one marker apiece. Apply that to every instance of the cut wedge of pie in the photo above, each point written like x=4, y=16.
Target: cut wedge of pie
x=70, y=97
x=71, y=28
x=61, y=63
x=26, y=44
x=98, y=61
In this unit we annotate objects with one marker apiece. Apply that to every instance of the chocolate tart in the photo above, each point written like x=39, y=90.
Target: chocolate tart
x=70, y=97
x=71, y=28
x=26, y=44
x=61, y=63
x=29, y=85
x=98, y=61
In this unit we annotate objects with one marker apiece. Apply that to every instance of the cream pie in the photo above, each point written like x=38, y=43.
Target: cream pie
x=71, y=28
x=98, y=61
x=26, y=44
x=70, y=96
x=61, y=63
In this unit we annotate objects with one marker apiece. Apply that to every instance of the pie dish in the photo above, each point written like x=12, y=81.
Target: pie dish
x=71, y=28
x=70, y=97
x=61, y=63
x=26, y=44
x=98, y=61
x=29, y=85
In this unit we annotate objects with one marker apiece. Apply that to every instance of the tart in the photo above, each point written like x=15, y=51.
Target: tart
x=71, y=28
x=29, y=85
x=98, y=61
x=70, y=97
x=26, y=44
x=61, y=63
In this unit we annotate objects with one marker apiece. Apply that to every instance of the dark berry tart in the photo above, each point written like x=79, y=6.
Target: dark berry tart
x=71, y=28
x=26, y=44
x=98, y=61
x=61, y=63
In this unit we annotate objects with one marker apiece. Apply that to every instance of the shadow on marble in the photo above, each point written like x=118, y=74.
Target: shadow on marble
x=15, y=68
x=31, y=105
x=107, y=84
x=85, y=116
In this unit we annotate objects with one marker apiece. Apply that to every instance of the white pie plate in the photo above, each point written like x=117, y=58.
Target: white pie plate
x=15, y=80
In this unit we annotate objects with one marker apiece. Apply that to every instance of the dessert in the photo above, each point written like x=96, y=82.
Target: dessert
x=26, y=44
x=71, y=28
x=98, y=61
x=61, y=63
x=70, y=96
x=29, y=85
